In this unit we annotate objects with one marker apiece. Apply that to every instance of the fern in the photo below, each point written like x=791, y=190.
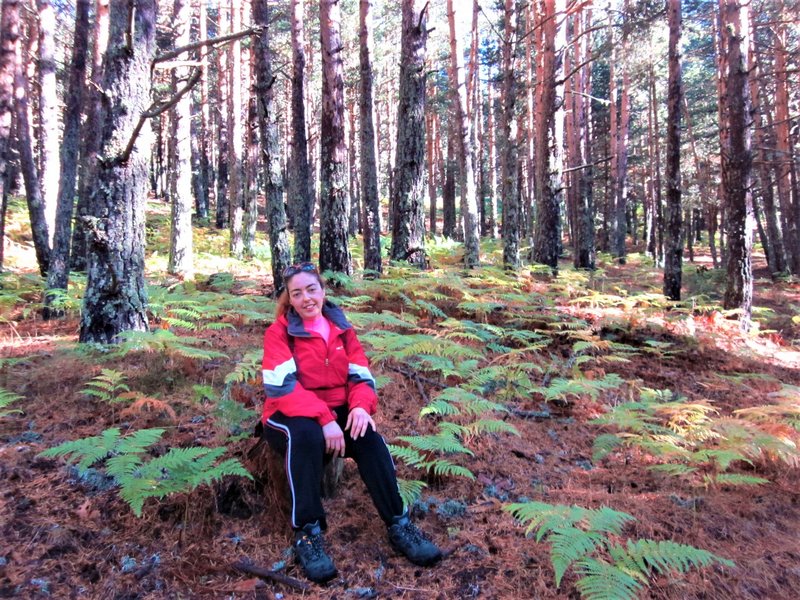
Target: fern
x=410, y=490
x=248, y=370
x=579, y=538
x=179, y=470
x=109, y=387
x=6, y=398
x=165, y=342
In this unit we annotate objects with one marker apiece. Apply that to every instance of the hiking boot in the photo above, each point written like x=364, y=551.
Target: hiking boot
x=412, y=543
x=310, y=553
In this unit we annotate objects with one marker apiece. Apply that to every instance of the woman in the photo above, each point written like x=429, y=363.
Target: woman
x=320, y=401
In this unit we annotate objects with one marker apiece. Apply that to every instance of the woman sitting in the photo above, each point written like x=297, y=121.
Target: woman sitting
x=320, y=401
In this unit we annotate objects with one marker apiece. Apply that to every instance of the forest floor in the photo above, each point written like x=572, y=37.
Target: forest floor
x=66, y=537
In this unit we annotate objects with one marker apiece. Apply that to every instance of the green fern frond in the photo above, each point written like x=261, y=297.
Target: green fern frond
x=445, y=443
x=247, y=369
x=607, y=520
x=410, y=490
x=663, y=556
x=570, y=544
x=602, y=581
x=6, y=398
x=490, y=426
x=603, y=445
x=738, y=479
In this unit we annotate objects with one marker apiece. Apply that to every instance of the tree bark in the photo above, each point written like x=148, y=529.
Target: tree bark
x=9, y=38
x=508, y=142
x=737, y=158
x=302, y=201
x=222, y=216
x=48, y=114
x=180, y=248
x=469, y=208
x=235, y=137
x=116, y=297
x=204, y=175
x=30, y=173
x=549, y=132
x=787, y=191
x=673, y=255
x=449, y=188
x=583, y=241
x=90, y=147
x=334, y=252
x=368, y=144
x=408, y=193
x=268, y=124
x=58, y=270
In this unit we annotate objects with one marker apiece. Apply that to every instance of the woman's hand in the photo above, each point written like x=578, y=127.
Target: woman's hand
x=358, y=421
x=334, y=439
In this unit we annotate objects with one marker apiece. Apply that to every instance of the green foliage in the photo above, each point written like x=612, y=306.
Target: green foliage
x=562, y=389
x=166, y=343
x=688, y=438
x=109, y=387
x=410, y=490
x=139, y=478
x=247, y=370
x=580, y=538
x=6, y=398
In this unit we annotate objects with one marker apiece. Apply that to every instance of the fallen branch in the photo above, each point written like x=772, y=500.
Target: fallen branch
x=531, y=414
x=251, y=569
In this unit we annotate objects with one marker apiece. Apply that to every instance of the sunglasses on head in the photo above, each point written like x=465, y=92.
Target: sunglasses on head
x=303, y=267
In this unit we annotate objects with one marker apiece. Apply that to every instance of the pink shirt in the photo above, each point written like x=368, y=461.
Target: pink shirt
x=320, y=325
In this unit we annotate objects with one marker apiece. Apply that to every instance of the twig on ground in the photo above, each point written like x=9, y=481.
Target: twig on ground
x=251, y=569
x=531, y=414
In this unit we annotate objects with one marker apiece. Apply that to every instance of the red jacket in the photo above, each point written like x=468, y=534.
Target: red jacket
x=305, y=377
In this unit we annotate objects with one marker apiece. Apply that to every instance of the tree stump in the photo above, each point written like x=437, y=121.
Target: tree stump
x=269, y=467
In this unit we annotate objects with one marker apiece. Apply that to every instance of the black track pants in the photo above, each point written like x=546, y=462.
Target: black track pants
x=301, y=441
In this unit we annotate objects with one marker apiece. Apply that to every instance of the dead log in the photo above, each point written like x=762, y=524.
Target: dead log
x=244, y=566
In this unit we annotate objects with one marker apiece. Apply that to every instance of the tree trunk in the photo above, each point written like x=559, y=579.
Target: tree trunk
x=235, y=137
x=469, y=208
x=268, y=123
x=334, y=252
x=354, y=188
x=673, y=253
x=549, y=131
x=491, y=171
x=508, y=142
x=58, y=271
x=116, y=297
x=48, y=114
x=224, y=89
x=251, y=163
x=204, y=175
x=773, y=240
x=33, y=190
x=368, y=144
x=583, y=242
x=787, y=192
x=620, y=172
x=431, y=141
x=737, y=158
x=408, y=193
x=302, y=201
x=449, y=188
x=90, y=147
x=180, y=248
x=9, y=38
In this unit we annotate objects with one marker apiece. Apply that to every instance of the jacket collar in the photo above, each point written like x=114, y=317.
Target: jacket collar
x=294, y=324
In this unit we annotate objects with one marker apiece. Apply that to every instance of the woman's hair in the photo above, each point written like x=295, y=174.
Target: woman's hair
x=288, y=274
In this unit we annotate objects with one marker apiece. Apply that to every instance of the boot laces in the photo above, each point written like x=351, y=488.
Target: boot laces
x=313, y=543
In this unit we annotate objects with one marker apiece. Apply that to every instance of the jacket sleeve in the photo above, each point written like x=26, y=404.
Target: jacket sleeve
x=284, y=392
x=361, y=389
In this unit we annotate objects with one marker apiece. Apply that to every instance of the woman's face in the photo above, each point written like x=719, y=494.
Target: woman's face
x=306, y=295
